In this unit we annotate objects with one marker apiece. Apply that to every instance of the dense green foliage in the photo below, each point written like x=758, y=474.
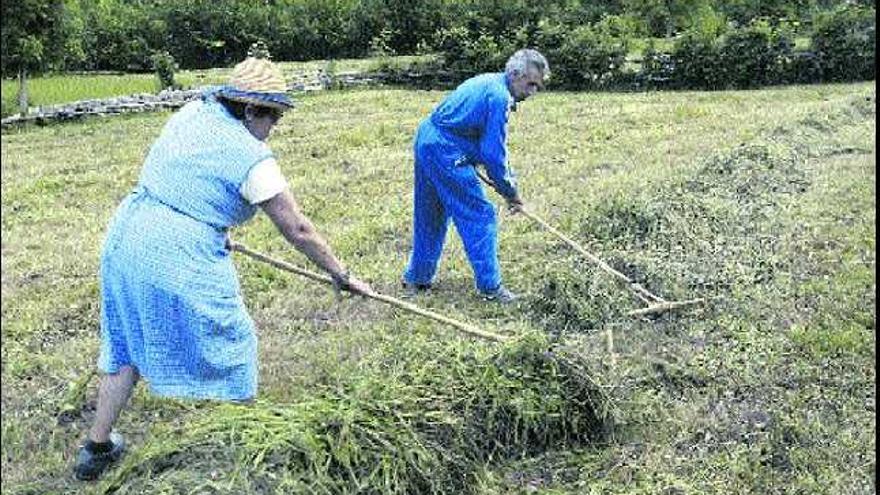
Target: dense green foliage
x=763, y=53
x=844, y=42
x=32, y=34
x=720, y=44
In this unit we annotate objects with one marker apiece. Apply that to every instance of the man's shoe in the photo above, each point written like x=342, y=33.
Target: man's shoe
x=412, y=290
x=500, y=295
x=90, y=465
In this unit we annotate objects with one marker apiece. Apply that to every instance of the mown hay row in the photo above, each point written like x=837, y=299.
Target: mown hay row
x=421, y=418
x=698, y=236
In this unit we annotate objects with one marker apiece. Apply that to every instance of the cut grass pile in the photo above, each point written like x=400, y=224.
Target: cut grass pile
x=731, y=198
x=419, y=417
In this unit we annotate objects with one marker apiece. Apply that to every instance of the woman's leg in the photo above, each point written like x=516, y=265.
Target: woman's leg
x=113, y=393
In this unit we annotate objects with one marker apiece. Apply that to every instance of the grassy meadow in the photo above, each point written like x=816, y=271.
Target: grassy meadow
x=762, y=200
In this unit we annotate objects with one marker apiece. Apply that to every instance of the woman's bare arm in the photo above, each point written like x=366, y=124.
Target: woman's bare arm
x=299, y=231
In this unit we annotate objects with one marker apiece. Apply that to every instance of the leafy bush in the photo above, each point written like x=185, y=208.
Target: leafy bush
x=380, y=45
x=117, y=36
x=402, y=26
x=763, y=53
x=696, y=62
x=165, y=66
x=844, y=42
x=585, y=42
x=589, y=58
x=657, y=67
x=581, y=57
x=804, y=67
x=259, y=50
x=466, y=53
x=755, y=55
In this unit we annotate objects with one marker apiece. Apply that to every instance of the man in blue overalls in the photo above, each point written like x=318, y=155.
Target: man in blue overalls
x=468, y=128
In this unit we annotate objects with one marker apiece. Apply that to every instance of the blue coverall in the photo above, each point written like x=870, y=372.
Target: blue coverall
x=467, y=128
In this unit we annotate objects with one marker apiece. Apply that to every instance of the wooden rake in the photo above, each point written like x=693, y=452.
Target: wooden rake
x=412, y=308
x=655, y=303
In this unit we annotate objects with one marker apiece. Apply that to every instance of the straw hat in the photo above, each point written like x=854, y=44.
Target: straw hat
x=257, y=81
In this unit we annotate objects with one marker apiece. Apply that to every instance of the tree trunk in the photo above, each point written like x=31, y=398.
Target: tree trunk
x=22, y=92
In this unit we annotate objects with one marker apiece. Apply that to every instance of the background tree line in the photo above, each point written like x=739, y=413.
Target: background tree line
x=586, y=40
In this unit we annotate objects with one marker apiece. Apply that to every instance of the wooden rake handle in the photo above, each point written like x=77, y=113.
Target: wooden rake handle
x=640, y=291
x=412, y=308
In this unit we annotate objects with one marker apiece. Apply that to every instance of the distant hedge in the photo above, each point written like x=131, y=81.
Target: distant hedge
x=708, y=56
x=718, y=44
x=761, y=53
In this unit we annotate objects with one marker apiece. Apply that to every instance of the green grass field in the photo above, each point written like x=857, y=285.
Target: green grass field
x=763, y=199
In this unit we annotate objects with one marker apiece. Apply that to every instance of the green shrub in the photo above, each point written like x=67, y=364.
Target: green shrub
x=259, y=50
x=804, y=67
x=590, y=58
x=621, y=26
x=380, y=45
x=452, y=43
x=751, y=56
x=164, y=66
x=844, y=42
x=584, y=42
x=489, y=54
x=583, y=57
x=696, y=61
x=468, y=53
x=116, y=36
x=657, y=67
x=763, y=53
x=402, y=26
x=755, y=55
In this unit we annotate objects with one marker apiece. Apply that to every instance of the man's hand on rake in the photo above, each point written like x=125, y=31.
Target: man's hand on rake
x=515, y=205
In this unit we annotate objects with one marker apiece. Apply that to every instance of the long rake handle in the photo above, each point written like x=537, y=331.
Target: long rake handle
x=643, y=293
x=412, y=308
x=656, y=304
x=651, y=298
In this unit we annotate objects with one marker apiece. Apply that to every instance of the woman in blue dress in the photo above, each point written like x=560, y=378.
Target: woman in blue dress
x=172, y=309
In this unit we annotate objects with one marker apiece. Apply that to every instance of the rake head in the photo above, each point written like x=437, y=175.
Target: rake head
x=664, y=306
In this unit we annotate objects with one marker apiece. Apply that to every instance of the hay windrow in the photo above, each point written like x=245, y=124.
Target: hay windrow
x=422, y=417
x=687, y=238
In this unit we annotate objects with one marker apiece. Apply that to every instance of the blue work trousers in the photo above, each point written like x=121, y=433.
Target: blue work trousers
x=446, y=187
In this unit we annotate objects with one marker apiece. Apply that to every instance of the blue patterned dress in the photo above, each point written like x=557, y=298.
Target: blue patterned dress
x=171, y=301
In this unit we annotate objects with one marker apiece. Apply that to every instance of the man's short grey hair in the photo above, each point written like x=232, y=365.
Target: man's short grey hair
x=519, y=62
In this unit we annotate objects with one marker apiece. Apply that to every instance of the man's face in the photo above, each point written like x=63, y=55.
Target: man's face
x=525, y=85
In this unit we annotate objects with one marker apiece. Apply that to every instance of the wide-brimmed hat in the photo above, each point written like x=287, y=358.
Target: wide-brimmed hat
x=257, y=81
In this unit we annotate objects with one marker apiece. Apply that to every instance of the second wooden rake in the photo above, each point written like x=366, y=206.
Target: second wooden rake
x=655, y=303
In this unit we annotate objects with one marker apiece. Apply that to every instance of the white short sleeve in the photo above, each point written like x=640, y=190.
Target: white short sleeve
x=263, y=182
